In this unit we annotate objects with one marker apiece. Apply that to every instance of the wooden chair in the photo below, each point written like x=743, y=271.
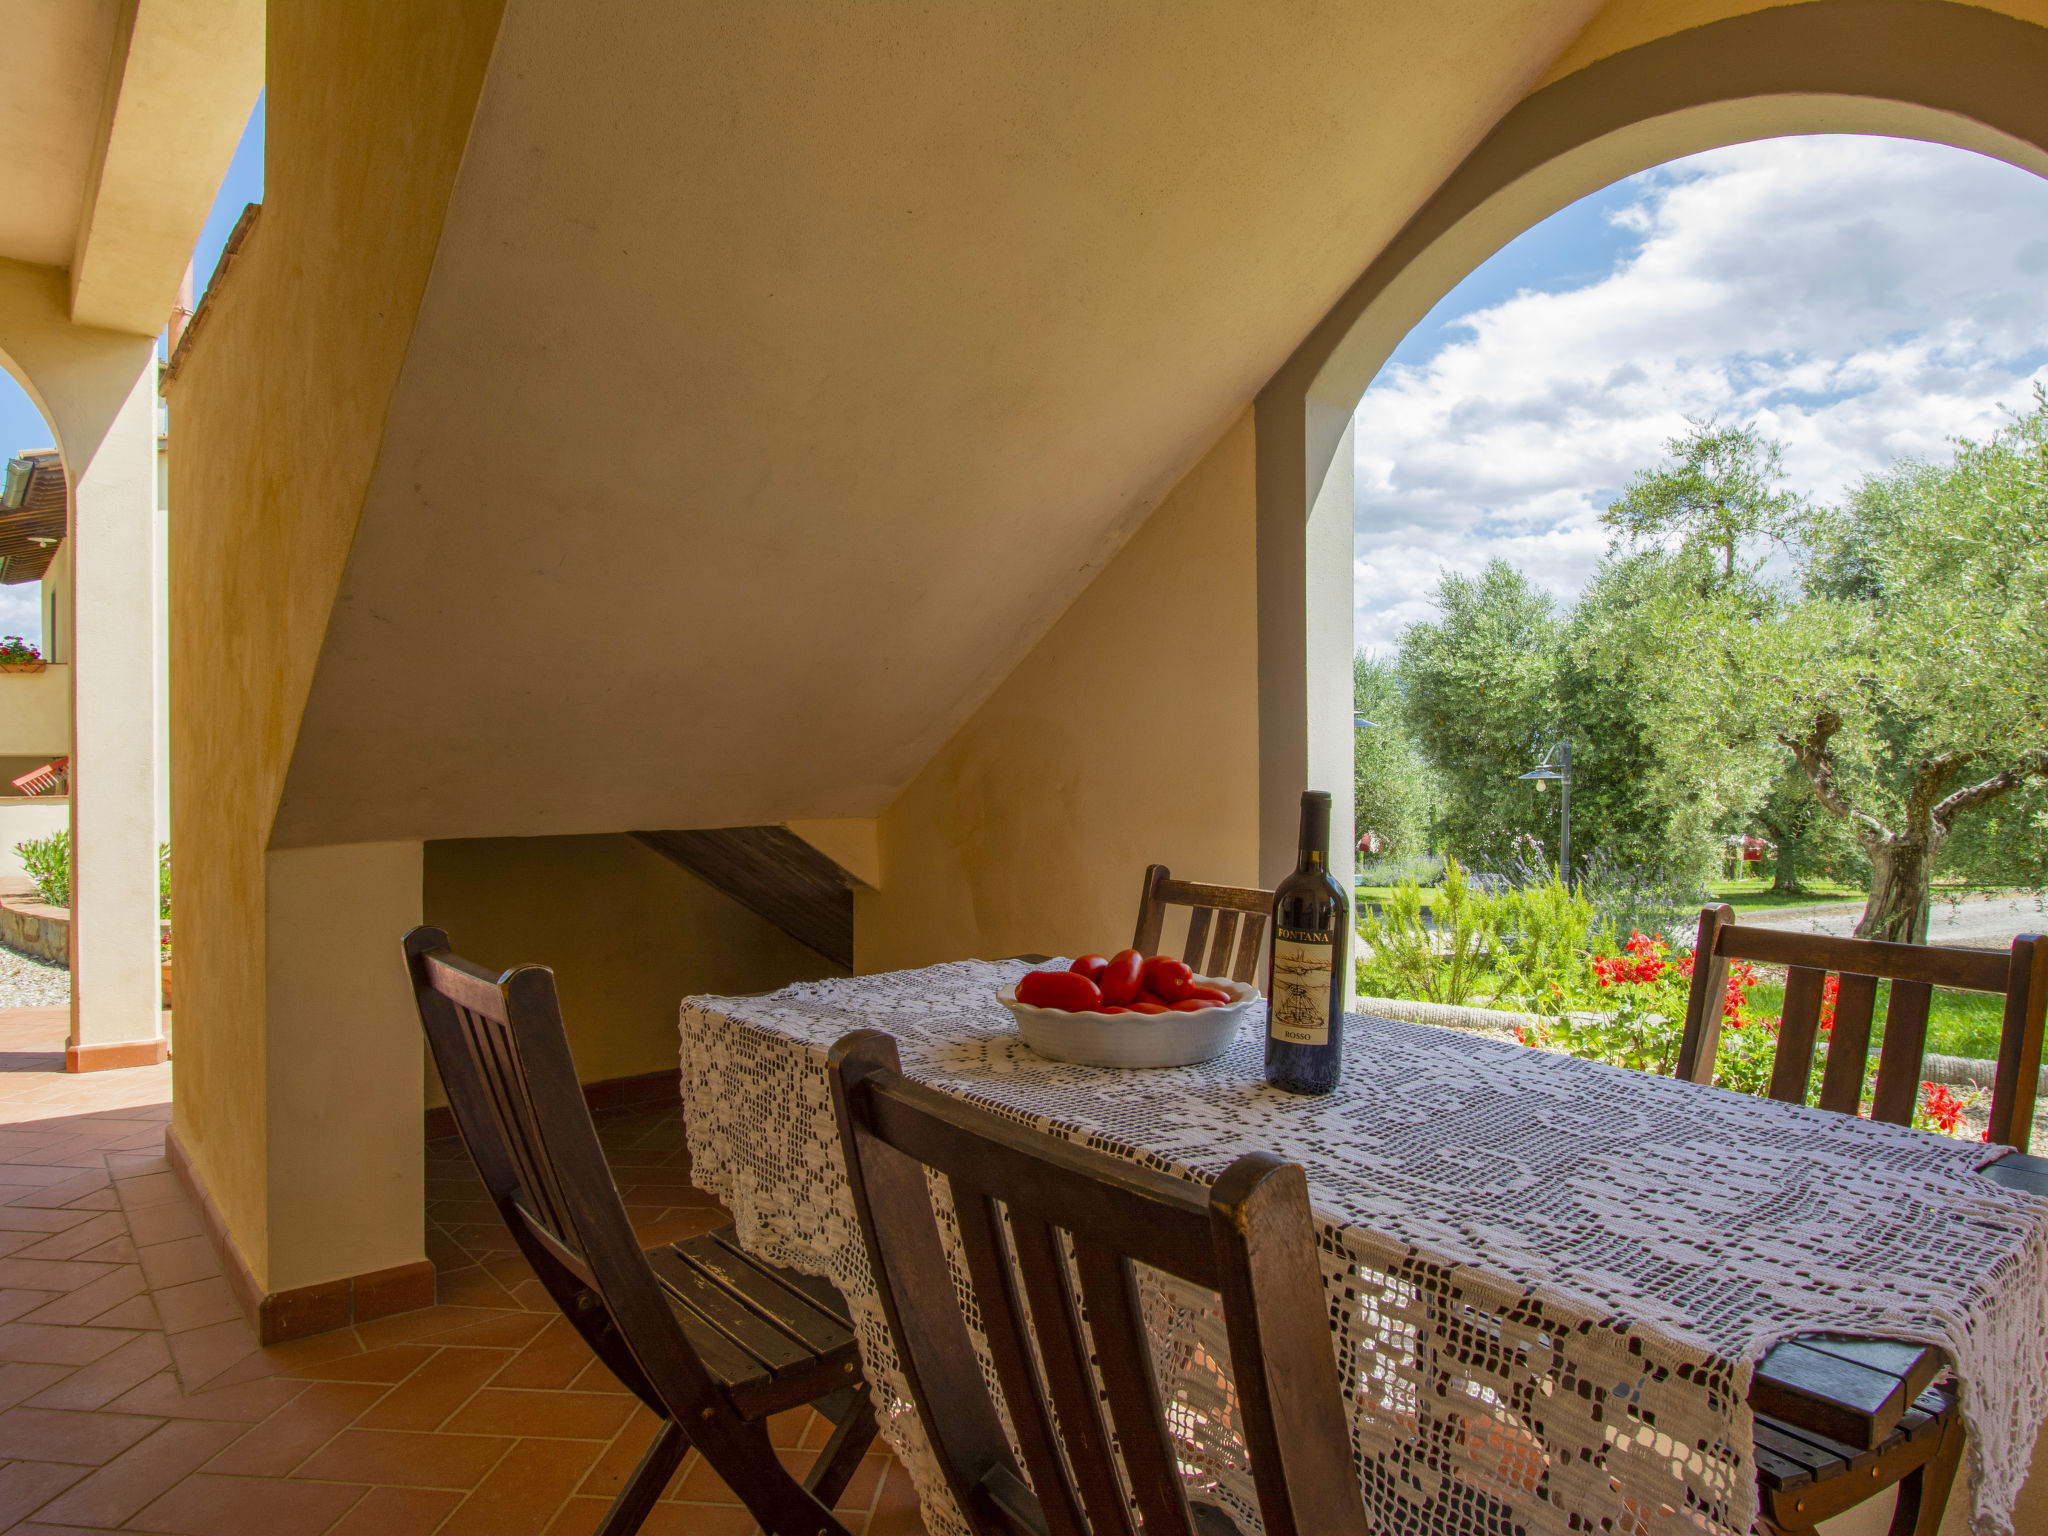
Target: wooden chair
x=1217, y=905
x=1914, y=970
x=711, y=1340
x=1249, y=1238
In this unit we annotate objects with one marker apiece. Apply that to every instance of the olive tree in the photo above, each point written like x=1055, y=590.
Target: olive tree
x=1907, y=679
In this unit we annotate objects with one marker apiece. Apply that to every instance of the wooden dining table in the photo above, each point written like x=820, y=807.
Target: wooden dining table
x=1598, y=1363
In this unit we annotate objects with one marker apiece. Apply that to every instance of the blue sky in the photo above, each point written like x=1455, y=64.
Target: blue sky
x=22, y=425
x=1860, y=299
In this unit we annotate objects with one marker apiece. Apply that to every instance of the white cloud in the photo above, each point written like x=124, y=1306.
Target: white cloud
x=1861, y=299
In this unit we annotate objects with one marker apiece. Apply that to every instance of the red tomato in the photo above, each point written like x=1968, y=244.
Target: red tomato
x=1193, y=1005
x=1059, y=989
x=1153, y=997
x=1112, y=1008
x=1148, y=1007
x=1091, y=966
x=1167, y=978
x=1206, y=995
x=1120, y=981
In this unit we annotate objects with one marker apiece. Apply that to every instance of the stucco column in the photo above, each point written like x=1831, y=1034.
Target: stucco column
x=344, y=1090
x=1305, y=712
x=116, y=987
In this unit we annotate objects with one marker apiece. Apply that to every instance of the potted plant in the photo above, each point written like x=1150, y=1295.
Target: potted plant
x=17, y=655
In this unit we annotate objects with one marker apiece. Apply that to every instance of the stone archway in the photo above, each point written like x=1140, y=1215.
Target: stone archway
x=1919, y=69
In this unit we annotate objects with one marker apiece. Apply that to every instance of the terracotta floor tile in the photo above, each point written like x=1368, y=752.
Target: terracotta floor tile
x=397, y=1512
x=115, y=1250
x=178, y=1261
x=699, y=1520
x=389, y=1365
x=247, y=1402
x=155, y=1224
x=205, y=1505
x=23, y=1381
x=77, y=1239
x=49, y=1274
x=39, y=1344
x=136, y=1312
x=204, y=1353
x=287, y=1437
x=83, y=1439
x=580, y=1517
x=106, y=1199
x=609, y=1472
x=560, y=1415
x=98, y=1384
x=523, y=1492
x=424, y=1325
x=786, y=1429
x=15, y=1304
x=553, y=1360
x=89, y=1301
x=148, y=1468
x=440, y=1386
x=598, y=1377
x=403, y=1459
x=496, y=1330
x=28, y=1218
x=150, y=1189
x=80, y=1181
x=699, y=1484
x=196, y=1304
x=26, y=1486
x=467, y=1288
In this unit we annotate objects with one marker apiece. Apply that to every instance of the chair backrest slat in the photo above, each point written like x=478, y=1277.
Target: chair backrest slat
x=1238, y=912
x=504, y=1059
x=2019, y=1042
x=1002, y=1320
x=1913, y=971
x=1797, y=1031
x=1841, y=1087
x=1116, y=1321
x=1021, y=1198
x=1904, y=1053
x=1063, y=1351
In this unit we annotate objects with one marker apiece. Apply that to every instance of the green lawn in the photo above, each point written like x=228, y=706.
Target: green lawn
x=1755, y=895
x=1958, y=1023
x=1742, y=895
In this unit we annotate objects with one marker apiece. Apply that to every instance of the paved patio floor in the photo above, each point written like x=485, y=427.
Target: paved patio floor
x=133, y=1396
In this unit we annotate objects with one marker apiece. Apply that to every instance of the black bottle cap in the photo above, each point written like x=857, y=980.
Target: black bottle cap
x=1315, y=821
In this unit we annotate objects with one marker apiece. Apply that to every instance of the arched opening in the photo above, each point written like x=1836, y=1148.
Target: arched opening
x=1934, y=72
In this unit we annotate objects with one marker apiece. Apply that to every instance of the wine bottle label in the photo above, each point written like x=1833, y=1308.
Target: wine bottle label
x=1302, y=971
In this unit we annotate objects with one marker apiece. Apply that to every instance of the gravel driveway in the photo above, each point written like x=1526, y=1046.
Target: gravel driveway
x=26, y=983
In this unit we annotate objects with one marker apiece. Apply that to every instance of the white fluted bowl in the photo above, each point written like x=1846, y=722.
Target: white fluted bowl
x=1134, y=1039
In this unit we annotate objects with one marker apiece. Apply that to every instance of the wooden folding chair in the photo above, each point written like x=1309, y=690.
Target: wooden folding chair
x=1914, y=970
x=1021, y=1196
x=1220, y=906
x=711, y=1340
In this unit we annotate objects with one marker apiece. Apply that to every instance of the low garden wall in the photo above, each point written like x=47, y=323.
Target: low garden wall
x=30, y=928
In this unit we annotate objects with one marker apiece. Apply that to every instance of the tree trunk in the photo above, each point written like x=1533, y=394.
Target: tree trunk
x=1901, y=888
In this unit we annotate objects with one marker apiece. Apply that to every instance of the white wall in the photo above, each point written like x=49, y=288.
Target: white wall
x=24, y=819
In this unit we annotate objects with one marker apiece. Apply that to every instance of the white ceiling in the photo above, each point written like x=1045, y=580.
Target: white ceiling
x=785, y=370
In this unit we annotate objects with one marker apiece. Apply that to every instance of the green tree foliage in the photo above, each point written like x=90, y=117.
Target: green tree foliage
x=1478, y=693
x=1719, y=492
x=1908, y=680
x=1498, y=677
x=1394, y=786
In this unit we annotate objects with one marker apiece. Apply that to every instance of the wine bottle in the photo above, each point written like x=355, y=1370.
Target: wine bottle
x=1311, y=948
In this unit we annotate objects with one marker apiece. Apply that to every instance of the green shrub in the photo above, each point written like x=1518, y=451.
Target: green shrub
x=48, y=862
x=1440, y=964
x=163, y=879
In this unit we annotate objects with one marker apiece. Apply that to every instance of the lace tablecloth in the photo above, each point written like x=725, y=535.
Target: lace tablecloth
x=1550, y=1278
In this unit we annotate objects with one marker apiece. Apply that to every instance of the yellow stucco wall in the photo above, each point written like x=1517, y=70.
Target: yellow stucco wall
x=279, y=411
x=627, y=932
x=1127, y=736
x=1631, y=23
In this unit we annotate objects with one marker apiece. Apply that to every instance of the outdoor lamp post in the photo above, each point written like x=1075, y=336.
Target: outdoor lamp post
x=1360, y=723
x=1557, y=764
